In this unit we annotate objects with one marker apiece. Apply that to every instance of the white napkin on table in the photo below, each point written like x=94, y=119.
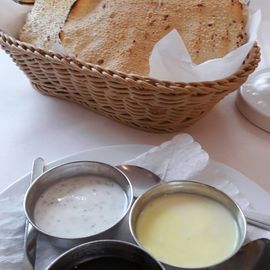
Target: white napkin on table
x=12, y=221
x=178, y=159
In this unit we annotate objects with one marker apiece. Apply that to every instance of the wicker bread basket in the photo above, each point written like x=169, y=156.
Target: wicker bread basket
x=140, y=102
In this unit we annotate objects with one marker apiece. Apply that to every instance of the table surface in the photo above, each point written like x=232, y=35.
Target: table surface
x=33, y=125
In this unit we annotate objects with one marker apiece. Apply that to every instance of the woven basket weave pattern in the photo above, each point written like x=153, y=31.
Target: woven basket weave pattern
x=140, y=102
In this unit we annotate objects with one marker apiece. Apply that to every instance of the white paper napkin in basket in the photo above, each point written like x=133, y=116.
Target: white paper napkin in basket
x=178, y=159
x=171, y=61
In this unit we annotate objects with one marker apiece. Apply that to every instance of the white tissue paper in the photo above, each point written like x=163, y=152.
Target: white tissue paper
x=179, y=159
x=12, y=16
x=171, y=61
x=12, y=222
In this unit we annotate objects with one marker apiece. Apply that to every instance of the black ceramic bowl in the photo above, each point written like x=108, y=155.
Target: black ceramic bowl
x=106, y=254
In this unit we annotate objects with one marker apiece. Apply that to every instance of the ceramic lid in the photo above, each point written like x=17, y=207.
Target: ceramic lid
x=253, y=99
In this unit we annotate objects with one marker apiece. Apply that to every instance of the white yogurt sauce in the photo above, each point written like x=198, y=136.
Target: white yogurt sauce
x=80, y=206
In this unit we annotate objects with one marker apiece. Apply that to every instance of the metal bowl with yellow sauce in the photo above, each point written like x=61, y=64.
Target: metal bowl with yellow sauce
x=187, y=224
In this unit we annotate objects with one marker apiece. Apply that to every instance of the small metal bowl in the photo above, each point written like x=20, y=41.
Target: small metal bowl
x=190, y=188
x=105, y=249
x=25, y=2
x=67, y=171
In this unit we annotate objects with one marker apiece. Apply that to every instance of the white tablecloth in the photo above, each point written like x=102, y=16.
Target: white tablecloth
x=33, y=125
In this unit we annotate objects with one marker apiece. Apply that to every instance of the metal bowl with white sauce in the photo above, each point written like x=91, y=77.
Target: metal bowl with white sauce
x=78, y=202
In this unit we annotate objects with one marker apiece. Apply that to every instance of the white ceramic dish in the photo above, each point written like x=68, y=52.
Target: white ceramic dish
x=253, y=99
x=243, y=190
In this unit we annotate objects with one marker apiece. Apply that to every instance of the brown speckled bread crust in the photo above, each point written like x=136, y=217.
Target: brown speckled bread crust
x=45, y=21
x=120, y=35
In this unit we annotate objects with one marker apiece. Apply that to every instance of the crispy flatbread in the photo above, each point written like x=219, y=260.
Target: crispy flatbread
x=45, y=21
x=120, y=34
